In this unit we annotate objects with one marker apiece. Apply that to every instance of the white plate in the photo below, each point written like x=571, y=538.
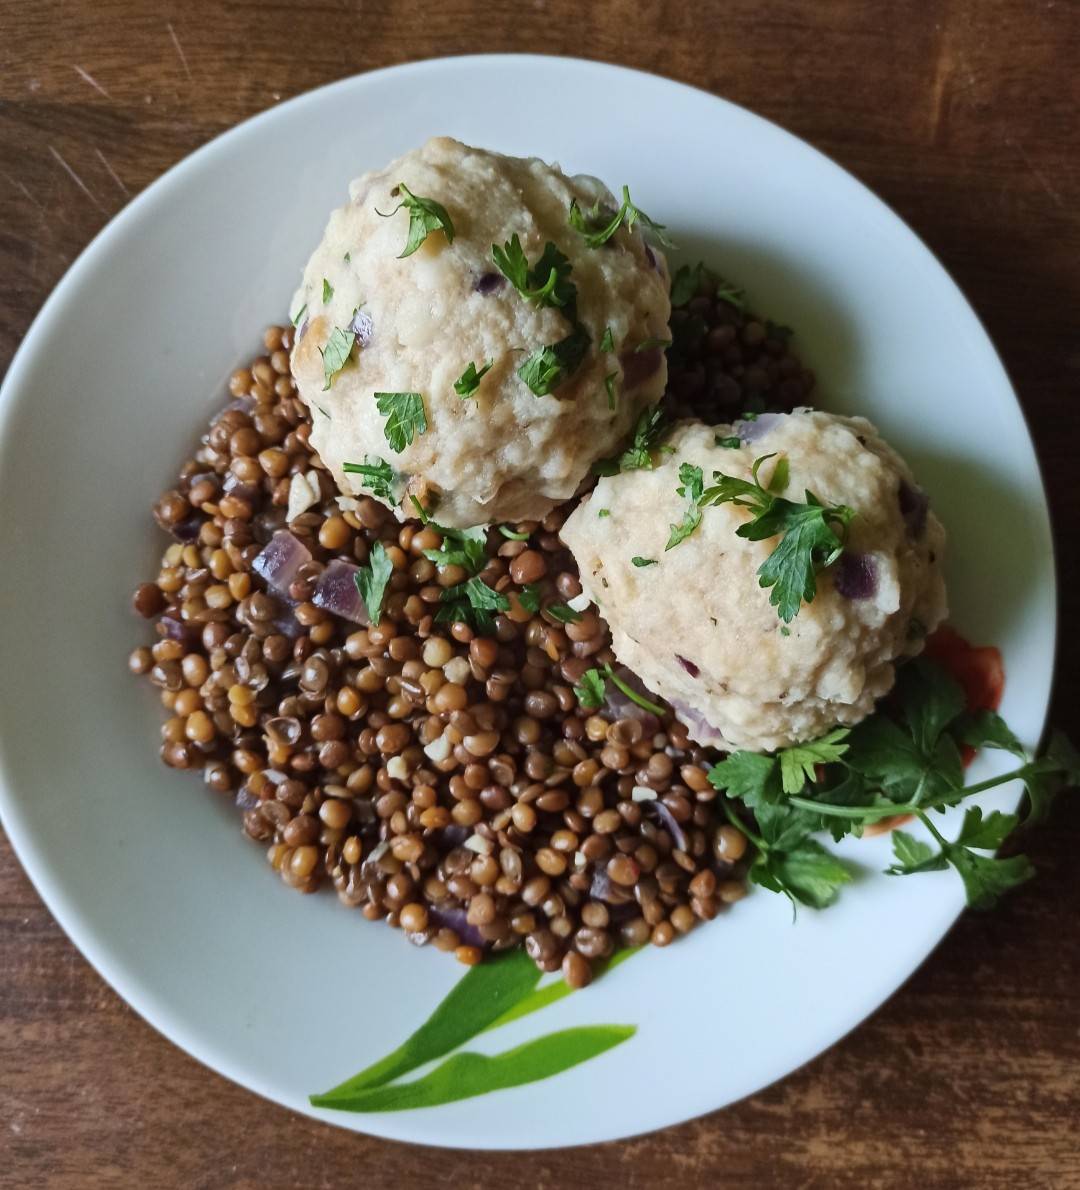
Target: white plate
x=148, y=872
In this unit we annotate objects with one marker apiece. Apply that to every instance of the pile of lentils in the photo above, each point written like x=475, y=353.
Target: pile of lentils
x=445, y=782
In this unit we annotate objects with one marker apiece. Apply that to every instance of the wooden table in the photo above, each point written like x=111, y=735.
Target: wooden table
x=965, y=116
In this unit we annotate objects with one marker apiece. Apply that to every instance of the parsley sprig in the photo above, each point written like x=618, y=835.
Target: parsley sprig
x=546, y=283
x=405, y=418
x=336, y=353
x=598, y=227
x=649, y=430
x=471, y=601
x=591, y=691
x=425, y=216
x=811, y=534
x=378, y=476
x=469, y=381
x=373, y=579
x=547, y=367
x=904, y=760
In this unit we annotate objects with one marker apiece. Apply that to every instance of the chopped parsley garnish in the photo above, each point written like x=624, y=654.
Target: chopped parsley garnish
x=607, y=342
x=597, y=228
x=371, y=581
x=732, y=442
x=548, y=367
x=590, y=690
x=472, y=602
x=298, y=316
x=405, y=418
x=347, y=257
x=611, y=676
x=469, y=381
x=648, y=431
x=327, y=291
x=690, y=280
x=649, y=344
x=604, y=512
x=529, y=597
x=378, y=476
x=506, y=531
x=562, y=612
x=609, y=386
x=692, y=486
x=638, y=561
x=904, y=760
x=774, y=330
x=811, y=534
x=547, y=283
x=461, y=547
x=425, y=216
x=336, y=353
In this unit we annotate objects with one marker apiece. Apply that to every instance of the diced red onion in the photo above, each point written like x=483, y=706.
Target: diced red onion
x=187, y=530
x=281, y=559
x=670, y=823
x=618, y=705
x=180, y=630
x=688, y=665
x=603, y=888
x=336, y=592
x=914, y=505
x=457, y=920
x=362, y=327
x=700, y=728
x=237, y=487
x=638, y=366
x=303, y=329
x=754, y=429
x=855, y=576
x=489, y=283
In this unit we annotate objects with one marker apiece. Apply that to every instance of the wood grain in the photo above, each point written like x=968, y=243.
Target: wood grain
x=963, y=114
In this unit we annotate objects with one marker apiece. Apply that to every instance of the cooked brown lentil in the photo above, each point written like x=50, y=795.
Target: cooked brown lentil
x=520, y=829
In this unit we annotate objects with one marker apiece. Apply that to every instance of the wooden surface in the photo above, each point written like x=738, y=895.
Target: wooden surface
x=965, y=116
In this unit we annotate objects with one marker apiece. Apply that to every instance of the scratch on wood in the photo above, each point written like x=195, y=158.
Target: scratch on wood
x=112, y=172
x=76, y=179
x=1037, y=173
x=939, y=90
x=179, y=49
x=87, y=77
x=23, y=187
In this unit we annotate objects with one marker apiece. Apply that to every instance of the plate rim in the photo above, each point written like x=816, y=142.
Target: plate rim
x=84, y=936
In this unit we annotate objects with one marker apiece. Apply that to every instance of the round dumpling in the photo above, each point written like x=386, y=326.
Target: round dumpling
x=432, y=369
x=693, y=621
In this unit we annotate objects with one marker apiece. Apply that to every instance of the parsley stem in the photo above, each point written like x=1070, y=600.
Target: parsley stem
x=633, y=694
x=925, y=820
x=857, y=813
x=873, y=813
x=740, y=825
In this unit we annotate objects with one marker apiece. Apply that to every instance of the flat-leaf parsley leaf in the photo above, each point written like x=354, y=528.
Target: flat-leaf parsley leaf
x=405, y=418
x=425, y=216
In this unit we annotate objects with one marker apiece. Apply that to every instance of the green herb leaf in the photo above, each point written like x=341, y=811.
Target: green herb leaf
x=405, y=418
x=750, y=776
x=548, y=367
x=989, y=832
x=987, y=729
x=529, y=597
x=546, y=283
x=607, y=342
x=473, y=603
x=798, y=764
x=649, y=344
x=378, y=475
x=811, y=536
x=690, y=280
x=604, y=512
x=731, y=443
x=632, y=694
x=425, y=216
x=461, y=547
x=466, y=1075
x=638, y=561
x=298, y=316
x=372, y=580
x=912, y=855
x=692, y=486
x=562, y=612
x=481, y=996
x=506, y=531
x=649, y=430
x=558, y=989
x=347, y=257
x=336, y=353
x=469, y=381
x=808, y=874
x=597, y=233
x=327, y=291
x=590, y=690
x=609, y=385
x=987, y=879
